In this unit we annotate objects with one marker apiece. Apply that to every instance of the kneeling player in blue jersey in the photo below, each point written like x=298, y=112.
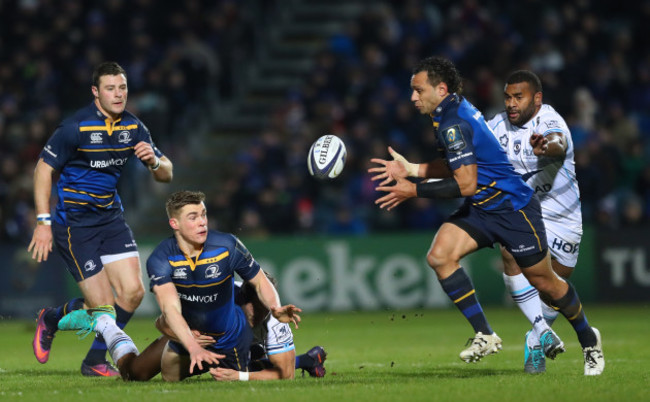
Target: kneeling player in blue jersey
x=192, y=276
x=273, y=355
x=197, y=292
x=499, y=207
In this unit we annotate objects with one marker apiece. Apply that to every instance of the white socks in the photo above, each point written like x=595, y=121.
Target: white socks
x=118, y=342
x=550, y=314
x=527, y=298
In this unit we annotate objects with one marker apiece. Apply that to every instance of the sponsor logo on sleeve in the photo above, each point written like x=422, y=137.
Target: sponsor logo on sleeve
x=453, y=138
x=552, y=124
x=49, y=151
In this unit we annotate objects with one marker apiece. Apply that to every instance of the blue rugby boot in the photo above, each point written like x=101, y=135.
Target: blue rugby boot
x=551, y=344
x=534, y=360
x=319, y=355
x=84, y=321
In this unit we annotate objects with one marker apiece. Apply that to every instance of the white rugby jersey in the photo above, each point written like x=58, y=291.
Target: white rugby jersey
x=553, y=179
x=275, y=336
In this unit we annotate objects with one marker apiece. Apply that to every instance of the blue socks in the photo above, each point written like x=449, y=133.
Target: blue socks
x=460, y=290
x=570, y=307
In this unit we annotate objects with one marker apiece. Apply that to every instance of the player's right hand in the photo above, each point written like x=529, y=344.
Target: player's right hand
x=539, y=144
x=41, y=244
x=198, y=356
x=224, y=374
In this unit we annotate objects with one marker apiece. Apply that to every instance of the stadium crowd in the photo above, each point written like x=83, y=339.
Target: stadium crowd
x=593, y=58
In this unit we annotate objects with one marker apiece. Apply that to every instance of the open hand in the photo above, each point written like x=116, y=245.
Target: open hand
x=287, y=314
x=401, y=191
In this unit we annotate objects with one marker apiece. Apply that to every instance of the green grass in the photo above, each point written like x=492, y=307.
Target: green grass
x=378, y=356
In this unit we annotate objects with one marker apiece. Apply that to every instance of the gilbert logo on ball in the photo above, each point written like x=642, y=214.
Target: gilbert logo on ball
x=326, y=157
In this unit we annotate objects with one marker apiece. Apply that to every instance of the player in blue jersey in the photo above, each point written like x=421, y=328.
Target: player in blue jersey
x=89, y=151
x=192, y=276
x=498, y=207
x=272, y=353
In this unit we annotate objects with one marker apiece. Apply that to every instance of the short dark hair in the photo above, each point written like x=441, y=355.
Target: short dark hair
x=530, y=77
x=179, y=199
x=106, y=68
x=440, y=70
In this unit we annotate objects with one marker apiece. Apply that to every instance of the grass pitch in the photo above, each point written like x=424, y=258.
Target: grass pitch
x=372, y=356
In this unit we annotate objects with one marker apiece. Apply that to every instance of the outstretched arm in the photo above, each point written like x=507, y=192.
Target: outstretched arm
x=163, y=327
x=284, y=368
x=170, y=306
x=400, y=168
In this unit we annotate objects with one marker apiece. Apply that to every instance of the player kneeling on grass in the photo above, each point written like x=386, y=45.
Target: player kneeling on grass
x=273, y=355
x=274, y=347
x=191, y=288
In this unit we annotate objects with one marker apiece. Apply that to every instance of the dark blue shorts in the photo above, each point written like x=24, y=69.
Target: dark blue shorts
x=85, y=250
x=521, y=232
x=236, y=357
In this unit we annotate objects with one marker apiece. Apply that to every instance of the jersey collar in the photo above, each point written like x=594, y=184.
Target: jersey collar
x=445, y=104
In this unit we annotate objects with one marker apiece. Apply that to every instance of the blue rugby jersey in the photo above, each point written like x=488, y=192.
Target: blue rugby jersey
x=205, y=284
x=464, y=139
x=90, y=153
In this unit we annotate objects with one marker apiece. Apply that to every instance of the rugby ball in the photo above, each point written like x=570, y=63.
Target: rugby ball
x=326, y=157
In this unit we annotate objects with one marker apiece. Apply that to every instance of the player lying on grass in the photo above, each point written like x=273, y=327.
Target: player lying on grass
x=271, y=358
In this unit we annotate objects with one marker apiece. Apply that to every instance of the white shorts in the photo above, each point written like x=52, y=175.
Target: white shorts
x=563, y=243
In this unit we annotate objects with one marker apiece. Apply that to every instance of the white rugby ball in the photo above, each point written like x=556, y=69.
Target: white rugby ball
x=326, y=157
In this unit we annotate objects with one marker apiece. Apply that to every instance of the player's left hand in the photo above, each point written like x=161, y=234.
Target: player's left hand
x=287, y=314
x=401, y=191
x=224, y=374
x=539, y=144
x=201, y=339
x=144, y=151
x=392, y=170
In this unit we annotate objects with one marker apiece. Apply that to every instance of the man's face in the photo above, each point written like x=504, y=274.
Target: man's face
x=425, y=96
x=191, y=223
x=521, y=103
x=111, y=94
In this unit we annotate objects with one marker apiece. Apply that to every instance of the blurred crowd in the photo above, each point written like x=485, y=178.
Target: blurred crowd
x=178, y=57
x=594, y=61
x=593, y=58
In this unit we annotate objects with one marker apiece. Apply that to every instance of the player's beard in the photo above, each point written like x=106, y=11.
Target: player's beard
x=525, y=115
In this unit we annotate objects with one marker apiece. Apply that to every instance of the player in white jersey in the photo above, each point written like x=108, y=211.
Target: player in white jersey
x=539, y=146
x=273, y=354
